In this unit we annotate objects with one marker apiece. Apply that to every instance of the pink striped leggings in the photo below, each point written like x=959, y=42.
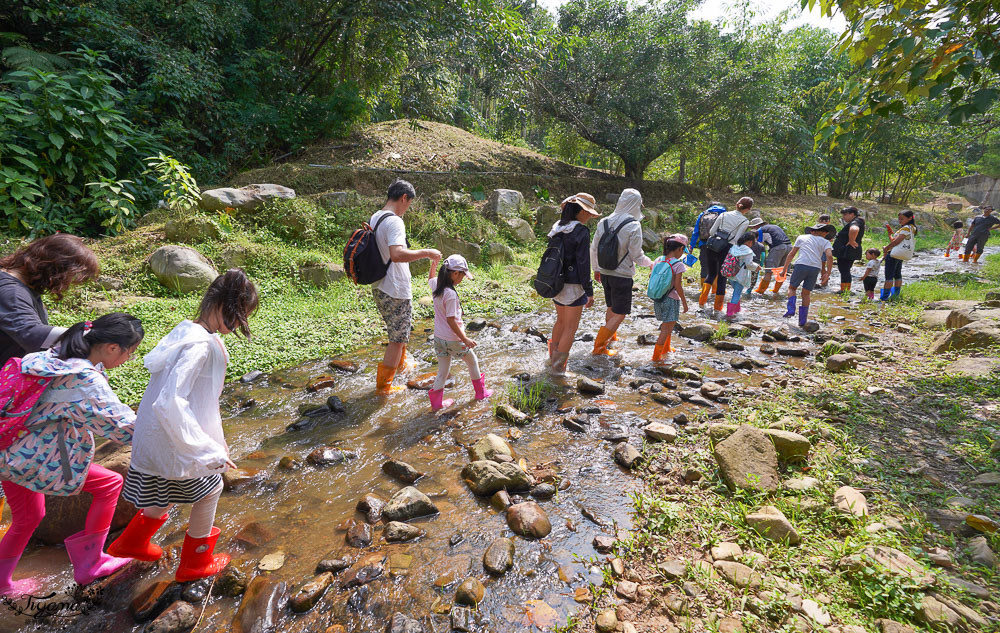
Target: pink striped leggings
x=27, y=508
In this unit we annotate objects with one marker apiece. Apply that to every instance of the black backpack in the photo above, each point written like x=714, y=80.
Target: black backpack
x=550, y=279
x=362, y=259
x=607, y=247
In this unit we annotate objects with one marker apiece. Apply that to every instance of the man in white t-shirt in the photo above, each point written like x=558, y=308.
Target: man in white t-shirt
x=811, y=263
x=394, y=293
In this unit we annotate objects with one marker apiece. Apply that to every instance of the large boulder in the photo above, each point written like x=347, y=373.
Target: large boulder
x=497, y=253
x=485, y=477
x=321, y=275
x=244, y=198
x=650, y=240
x=191, y=229
x=975, y=335
x=547, y=215
x=789, y=445
x=182, y=269
x=747, y=460
x=964, y=316
x=65, y=516
x=521, y=230
x=451, y=245
x=504, y=203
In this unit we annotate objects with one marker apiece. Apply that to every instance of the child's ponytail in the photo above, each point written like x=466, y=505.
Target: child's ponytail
x=236, y=298
x=119, y=328
x=444, y=281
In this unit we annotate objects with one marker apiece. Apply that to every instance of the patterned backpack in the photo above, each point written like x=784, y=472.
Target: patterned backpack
x=18, y=394
x=730, y=267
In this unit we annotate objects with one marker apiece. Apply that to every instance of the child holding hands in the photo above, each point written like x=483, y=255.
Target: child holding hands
x=179, y=451
x=450, y=339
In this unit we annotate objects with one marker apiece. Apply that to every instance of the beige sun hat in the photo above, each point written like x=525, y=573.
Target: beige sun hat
x=585, y=200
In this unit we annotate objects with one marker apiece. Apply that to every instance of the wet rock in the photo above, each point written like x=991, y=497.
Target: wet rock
x=321, y=382
x=660, y=432
x=499, y=556
x=195, y=592
x=371, y=505
x=179, y=617
x=258, y=609
x=575, y=423
x=793, y=351
x=232, y=581
x=615, y=434
x=508, y=413
x=500, y=501
x=470, y=593
x=398, y=532
x=488, y=447
x=251, y=376
x=151, y=601
x=309, y=593
x=811, y=327
x=408, y=503
x=727, y=551
x=772, y=524
x=778, y=334
x=666, y=399
x=359, y=535
x=981, y=554
x=290, y=462
x=253, y=534
x=742, y=363
x=627, y=455
x=647, y=339
x=606, y=622
x=462, y=619
x=346, y=366
x=485, y=477
x=712, y=390
x=332, y=565
x=327, y=456
x=528, y=520
x=402, y=624
x=604, y=544
x=738, y=574
x=543, y=491
x=747, y=460
x=363, y=572
x=850, y=501
x=698, y=332
x=401, y=471
x=768, y=349
x=728, y=346
x=589, y=387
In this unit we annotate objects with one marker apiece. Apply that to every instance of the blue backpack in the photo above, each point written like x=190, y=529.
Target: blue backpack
x=661, y=278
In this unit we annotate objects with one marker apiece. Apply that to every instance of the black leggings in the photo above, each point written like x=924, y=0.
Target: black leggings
x=844, y=265
x=893, y=269
x=712, y=262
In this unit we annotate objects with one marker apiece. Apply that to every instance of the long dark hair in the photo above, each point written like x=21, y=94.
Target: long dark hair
x=569, y=212
x=53, y=264
x=748, y=236
x=235, y=296
x=669, y=246
x=122, y=329
x=909, y=214
x=444, y=281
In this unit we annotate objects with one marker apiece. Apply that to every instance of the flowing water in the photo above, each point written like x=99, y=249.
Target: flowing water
x=301, y=512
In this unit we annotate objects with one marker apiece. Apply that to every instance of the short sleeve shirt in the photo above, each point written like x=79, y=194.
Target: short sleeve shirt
x=446, y=305
x=392, y=232
x=871, y=268
x=982, y=224
x=811, y=250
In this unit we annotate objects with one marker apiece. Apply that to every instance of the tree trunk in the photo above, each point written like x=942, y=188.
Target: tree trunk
x=680, y=172
x=634, y=169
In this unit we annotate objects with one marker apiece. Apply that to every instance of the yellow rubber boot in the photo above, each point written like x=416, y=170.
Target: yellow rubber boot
x=383, y=380
x=601, y=342
x=703, y=297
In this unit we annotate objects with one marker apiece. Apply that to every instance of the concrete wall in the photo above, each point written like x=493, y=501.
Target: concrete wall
x=978, y=188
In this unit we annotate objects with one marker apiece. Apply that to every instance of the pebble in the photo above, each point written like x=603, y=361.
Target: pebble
x=589, y=387
x=604, y=543
x=660, y=432
x=470, y=593
x=499, y=556
x=177, y=618
x=606, y=621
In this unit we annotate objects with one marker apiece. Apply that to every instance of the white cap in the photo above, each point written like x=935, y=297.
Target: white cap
x=457, y=263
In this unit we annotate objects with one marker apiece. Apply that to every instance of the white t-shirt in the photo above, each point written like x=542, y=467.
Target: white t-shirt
x=811, y=248
x=392, y=232
x=446, y=305
x=871, y=268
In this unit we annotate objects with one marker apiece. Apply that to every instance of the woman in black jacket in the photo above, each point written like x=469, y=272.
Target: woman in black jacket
x=578, y=289
x=847, y=245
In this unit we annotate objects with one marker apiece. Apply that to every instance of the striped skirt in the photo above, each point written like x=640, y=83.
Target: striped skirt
x=144, y=490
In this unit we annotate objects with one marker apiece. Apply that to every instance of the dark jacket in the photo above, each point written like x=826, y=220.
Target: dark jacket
x=775, y=236
x=841, y=249
x=576, y=258
x=24, y=323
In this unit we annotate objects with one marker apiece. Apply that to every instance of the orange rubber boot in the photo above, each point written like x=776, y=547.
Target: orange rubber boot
x=666, y=346
x=947, y=253
x=703, y=297
x=601, y=342
x=763, y=286
x=777, y=286
x=197, y=559
x=134, y=541
x=658, y=353
x=383, y=380
x=406, y=364
x=975, y=258
x=719, y=300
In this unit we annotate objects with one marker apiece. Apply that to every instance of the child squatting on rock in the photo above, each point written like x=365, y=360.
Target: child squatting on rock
x=52, y=454
x=450, y=339
x=179, y=451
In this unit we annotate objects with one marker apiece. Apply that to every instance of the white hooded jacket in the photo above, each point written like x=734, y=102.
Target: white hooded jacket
x=630, y=251
x=178, y=428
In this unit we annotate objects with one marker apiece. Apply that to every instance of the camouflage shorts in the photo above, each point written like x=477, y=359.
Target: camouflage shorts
x=397, y=314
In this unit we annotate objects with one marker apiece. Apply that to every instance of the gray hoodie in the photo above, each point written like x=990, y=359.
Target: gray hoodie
x=630, y=251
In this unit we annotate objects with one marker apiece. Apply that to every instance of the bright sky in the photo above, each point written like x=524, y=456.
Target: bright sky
x=713, y=10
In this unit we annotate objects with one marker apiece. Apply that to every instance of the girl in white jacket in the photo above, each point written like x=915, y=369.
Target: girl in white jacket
x=745, y=265
x=179, y=451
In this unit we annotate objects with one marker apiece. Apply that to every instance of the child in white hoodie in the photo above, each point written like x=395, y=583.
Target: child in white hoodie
x=179, y=451
x=745, y=265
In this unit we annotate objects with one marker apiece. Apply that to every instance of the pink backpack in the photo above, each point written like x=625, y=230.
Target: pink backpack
x=18, y=394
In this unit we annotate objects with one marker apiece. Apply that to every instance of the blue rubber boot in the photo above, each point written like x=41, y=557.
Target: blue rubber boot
x=884, y=295
x=894, y=293
x=791, y=307
x=803, y=315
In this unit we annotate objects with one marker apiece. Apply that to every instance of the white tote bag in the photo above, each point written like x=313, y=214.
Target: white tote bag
x=904, y=250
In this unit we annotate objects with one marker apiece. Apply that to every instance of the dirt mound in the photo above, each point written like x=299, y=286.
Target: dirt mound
x=427, y=146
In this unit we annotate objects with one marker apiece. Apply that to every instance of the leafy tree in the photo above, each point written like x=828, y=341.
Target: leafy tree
x=944, y=50
x=640, y=76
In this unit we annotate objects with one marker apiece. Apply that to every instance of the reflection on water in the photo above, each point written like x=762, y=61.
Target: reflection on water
x=298, y=511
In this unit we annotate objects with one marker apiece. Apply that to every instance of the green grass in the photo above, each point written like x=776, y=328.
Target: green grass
x=962, y=286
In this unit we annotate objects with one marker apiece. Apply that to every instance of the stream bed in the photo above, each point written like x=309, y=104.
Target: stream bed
x=303, y=512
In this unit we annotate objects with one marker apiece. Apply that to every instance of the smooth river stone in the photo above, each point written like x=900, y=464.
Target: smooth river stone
x=499, y=556
x=528, y=520
x=258, y=609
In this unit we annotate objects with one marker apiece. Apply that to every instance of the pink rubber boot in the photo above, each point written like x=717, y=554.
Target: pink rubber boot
x=86, y=552
x=437, y=401
x=14, y=588
x=482, y=392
